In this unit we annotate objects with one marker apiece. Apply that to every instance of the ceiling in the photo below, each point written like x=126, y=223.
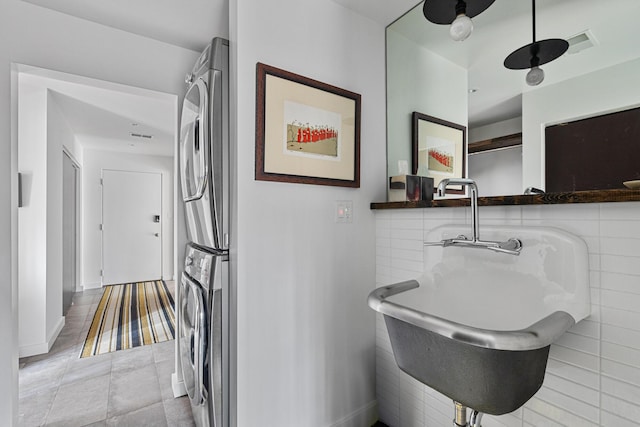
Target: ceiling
x=502, y=28
x=189, y=24
x=104, y=117
x=506, y=26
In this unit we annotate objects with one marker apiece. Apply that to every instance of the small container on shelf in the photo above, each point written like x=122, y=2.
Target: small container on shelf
x=410, y=188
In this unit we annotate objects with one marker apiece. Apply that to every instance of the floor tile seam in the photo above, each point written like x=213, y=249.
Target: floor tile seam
x=53, y=401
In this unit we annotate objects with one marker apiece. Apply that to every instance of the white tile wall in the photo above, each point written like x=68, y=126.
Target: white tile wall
x=593, y=374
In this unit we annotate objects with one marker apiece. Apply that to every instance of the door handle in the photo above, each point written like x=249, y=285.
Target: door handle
x=156, y=234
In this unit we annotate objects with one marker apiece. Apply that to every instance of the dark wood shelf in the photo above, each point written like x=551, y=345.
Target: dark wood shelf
x=495, y=143
x=599, y=196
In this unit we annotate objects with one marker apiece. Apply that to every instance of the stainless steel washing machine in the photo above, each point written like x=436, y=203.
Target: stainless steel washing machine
x=204, y=292
x=200, y=334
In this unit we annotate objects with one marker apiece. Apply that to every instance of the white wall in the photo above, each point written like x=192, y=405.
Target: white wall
x=593, y=373
x=95, y=161
x=495, y=130
x=611, y=89
x=33, y=35
x=497, y=172
x=305, y=333
x=34, y=272
x=419, y=80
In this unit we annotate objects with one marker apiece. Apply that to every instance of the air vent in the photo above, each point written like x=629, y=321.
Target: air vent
x=580, y=42
x=141, y=135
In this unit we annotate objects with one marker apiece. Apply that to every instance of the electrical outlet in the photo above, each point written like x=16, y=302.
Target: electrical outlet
x=344, y=211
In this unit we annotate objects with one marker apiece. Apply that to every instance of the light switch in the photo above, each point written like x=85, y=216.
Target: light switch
x=344, y=211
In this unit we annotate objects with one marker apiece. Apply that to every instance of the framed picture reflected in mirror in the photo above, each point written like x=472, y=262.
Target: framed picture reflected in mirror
x=439, y=149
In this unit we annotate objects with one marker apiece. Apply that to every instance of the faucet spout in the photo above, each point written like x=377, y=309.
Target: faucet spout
x=473, y=194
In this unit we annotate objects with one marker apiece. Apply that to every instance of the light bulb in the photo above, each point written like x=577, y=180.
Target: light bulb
x=535, y=76
x=461, y=28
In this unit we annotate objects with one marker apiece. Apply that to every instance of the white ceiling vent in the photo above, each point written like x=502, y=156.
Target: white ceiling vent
x=580, y=42
x=141, y=135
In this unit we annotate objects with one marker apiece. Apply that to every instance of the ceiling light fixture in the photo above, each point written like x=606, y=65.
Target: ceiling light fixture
x=535, y=54
x=444, y=12
x=140, y=135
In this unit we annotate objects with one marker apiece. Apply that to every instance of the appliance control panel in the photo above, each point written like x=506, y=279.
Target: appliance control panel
x=201, y=265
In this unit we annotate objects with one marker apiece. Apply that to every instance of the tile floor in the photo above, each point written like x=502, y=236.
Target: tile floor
x=123, y=388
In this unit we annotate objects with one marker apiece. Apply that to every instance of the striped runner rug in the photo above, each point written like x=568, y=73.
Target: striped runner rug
x=131, y=315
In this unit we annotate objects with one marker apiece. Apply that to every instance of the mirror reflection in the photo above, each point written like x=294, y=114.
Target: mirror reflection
x=466, y=82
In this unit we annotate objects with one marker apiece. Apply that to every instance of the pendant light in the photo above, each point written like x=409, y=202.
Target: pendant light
x=458, y=13
x=535, y=54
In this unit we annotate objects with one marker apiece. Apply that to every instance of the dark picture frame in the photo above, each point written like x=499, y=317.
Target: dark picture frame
x=307, y=131
x=439, y=149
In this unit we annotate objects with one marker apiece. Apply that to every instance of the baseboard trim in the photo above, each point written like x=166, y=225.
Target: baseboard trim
x=365, y=416
x=43, y=347
x=177, y=386
x=91, y=286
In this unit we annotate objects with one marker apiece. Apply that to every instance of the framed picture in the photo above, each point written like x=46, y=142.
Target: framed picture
x=439, y=149
x=306, y=131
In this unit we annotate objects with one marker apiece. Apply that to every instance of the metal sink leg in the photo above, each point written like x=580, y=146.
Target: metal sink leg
x=460, y=419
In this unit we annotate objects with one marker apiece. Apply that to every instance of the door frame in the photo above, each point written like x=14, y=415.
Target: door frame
x=78, y=257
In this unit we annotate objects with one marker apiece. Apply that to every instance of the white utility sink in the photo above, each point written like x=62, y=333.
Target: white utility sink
x=477, y=325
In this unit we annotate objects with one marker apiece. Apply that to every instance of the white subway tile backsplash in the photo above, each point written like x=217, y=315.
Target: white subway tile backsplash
x=594, y=279
x=407, y=244
x=412, y=224
x=620, y=371
x=406, y=214
x=508, y=213
x=580, y=343
x=446, y=214
x=568, y=403
x=620, y=407
x=406, y=234
x=404, y=264
x=567, y=212
x=437, y=404
x=574, y=357
x=621, y=318
x=577, y=227
x=570, y=388
x=557, y=413
x=593, y=373
x=620, y=264
x=621, y=354
x=621, y=336
x=532, y=418
x=587, y=328
x=621, y=390
x=573, y=373
x=620, y=228
x=595, y=263
x=620, y=300
x=620, y=211
x=620, y=282
x=382, y=242
x=620, y=246
x=407, y=254
x=609, y=419
x=507, y=420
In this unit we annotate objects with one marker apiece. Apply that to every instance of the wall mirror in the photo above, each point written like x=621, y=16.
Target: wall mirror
x=466, y=82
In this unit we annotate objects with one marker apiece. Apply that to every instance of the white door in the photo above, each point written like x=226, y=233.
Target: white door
x=131, y=227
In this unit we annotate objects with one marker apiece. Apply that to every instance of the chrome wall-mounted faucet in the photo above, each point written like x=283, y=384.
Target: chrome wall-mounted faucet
x=512, y=246
x=473, y=194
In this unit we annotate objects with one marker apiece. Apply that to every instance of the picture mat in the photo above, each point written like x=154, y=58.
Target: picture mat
x=277, y=160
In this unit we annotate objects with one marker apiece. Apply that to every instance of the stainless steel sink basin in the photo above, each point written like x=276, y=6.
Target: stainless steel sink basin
x=477, y=326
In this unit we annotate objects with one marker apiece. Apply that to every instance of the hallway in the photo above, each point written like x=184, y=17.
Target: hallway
x=123, y=388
